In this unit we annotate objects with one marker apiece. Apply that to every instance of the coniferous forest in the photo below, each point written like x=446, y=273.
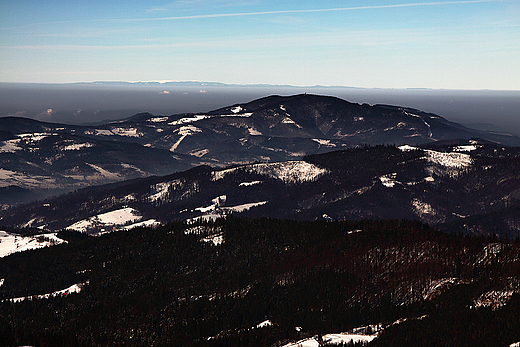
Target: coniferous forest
x=213, y=284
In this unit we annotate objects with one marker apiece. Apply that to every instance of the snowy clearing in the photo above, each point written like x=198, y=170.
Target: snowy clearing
x=185, y=120
x=129, y=132
x=466, y=148
x=34, y=137
x=78, y=146
x=289, y=172
x=157, y=119
x=10, y=146
x=113, y=218
x=99, y=132
x=442, y=163
x=11, y=243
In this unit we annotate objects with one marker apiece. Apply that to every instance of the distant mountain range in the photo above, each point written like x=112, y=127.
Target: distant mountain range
x=39, y=159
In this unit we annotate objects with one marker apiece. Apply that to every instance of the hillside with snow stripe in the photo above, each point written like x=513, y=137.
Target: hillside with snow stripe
x=75, y=288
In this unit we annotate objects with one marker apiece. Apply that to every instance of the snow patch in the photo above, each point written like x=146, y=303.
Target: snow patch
x=185, y=120
x=112, y=218
x=146, y=223
x=10, y=146
x=289, y=172
x=332, y=339
x=324, y=142
x=75, y=288
x=243, y=207
x=160, y=190
x=200, y=153
x=12, y=243
x=430, y=135
x=236, y=109
x=254, y=132
x=157, y=119
x=389, y=180
x=247, y=184
x=34, y=137
x=184, y=131
x=443, y=163
x=422, y=208
x=78, y=146
x=266, y=323
x=216, y=239
x=466, y=148
x=216, y=203
x=129, y=132
x=288, y=120
x=99, y=132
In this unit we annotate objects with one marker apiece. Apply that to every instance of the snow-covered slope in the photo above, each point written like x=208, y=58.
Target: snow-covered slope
x=11, y=243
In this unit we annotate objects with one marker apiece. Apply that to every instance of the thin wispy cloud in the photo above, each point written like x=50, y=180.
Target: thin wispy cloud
x=262, y=13
x=336, y=9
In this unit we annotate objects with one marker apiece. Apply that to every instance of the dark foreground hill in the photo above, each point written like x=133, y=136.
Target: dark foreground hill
x=264, y=282
x=44, y=158
x=463, y=186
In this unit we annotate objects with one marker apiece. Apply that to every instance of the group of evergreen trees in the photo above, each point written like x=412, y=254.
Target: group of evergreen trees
x=166, y=286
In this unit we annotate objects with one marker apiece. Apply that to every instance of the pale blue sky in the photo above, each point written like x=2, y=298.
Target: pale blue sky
x=373, y=43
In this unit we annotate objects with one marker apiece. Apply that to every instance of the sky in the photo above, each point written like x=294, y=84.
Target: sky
x=371, y=44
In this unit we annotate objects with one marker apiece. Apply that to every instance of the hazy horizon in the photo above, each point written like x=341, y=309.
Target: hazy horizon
x=86, y=103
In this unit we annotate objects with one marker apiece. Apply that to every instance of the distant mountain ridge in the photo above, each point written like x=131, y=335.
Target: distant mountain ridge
x=273, y=128
x=459, y=186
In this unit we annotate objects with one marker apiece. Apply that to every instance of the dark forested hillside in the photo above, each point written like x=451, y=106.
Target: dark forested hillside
x=459, y=186
x=212, y=284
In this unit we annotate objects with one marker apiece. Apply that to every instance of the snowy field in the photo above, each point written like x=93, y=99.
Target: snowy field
x=11, y=243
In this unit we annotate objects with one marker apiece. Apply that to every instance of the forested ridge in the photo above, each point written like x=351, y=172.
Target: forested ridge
x=212, y=284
